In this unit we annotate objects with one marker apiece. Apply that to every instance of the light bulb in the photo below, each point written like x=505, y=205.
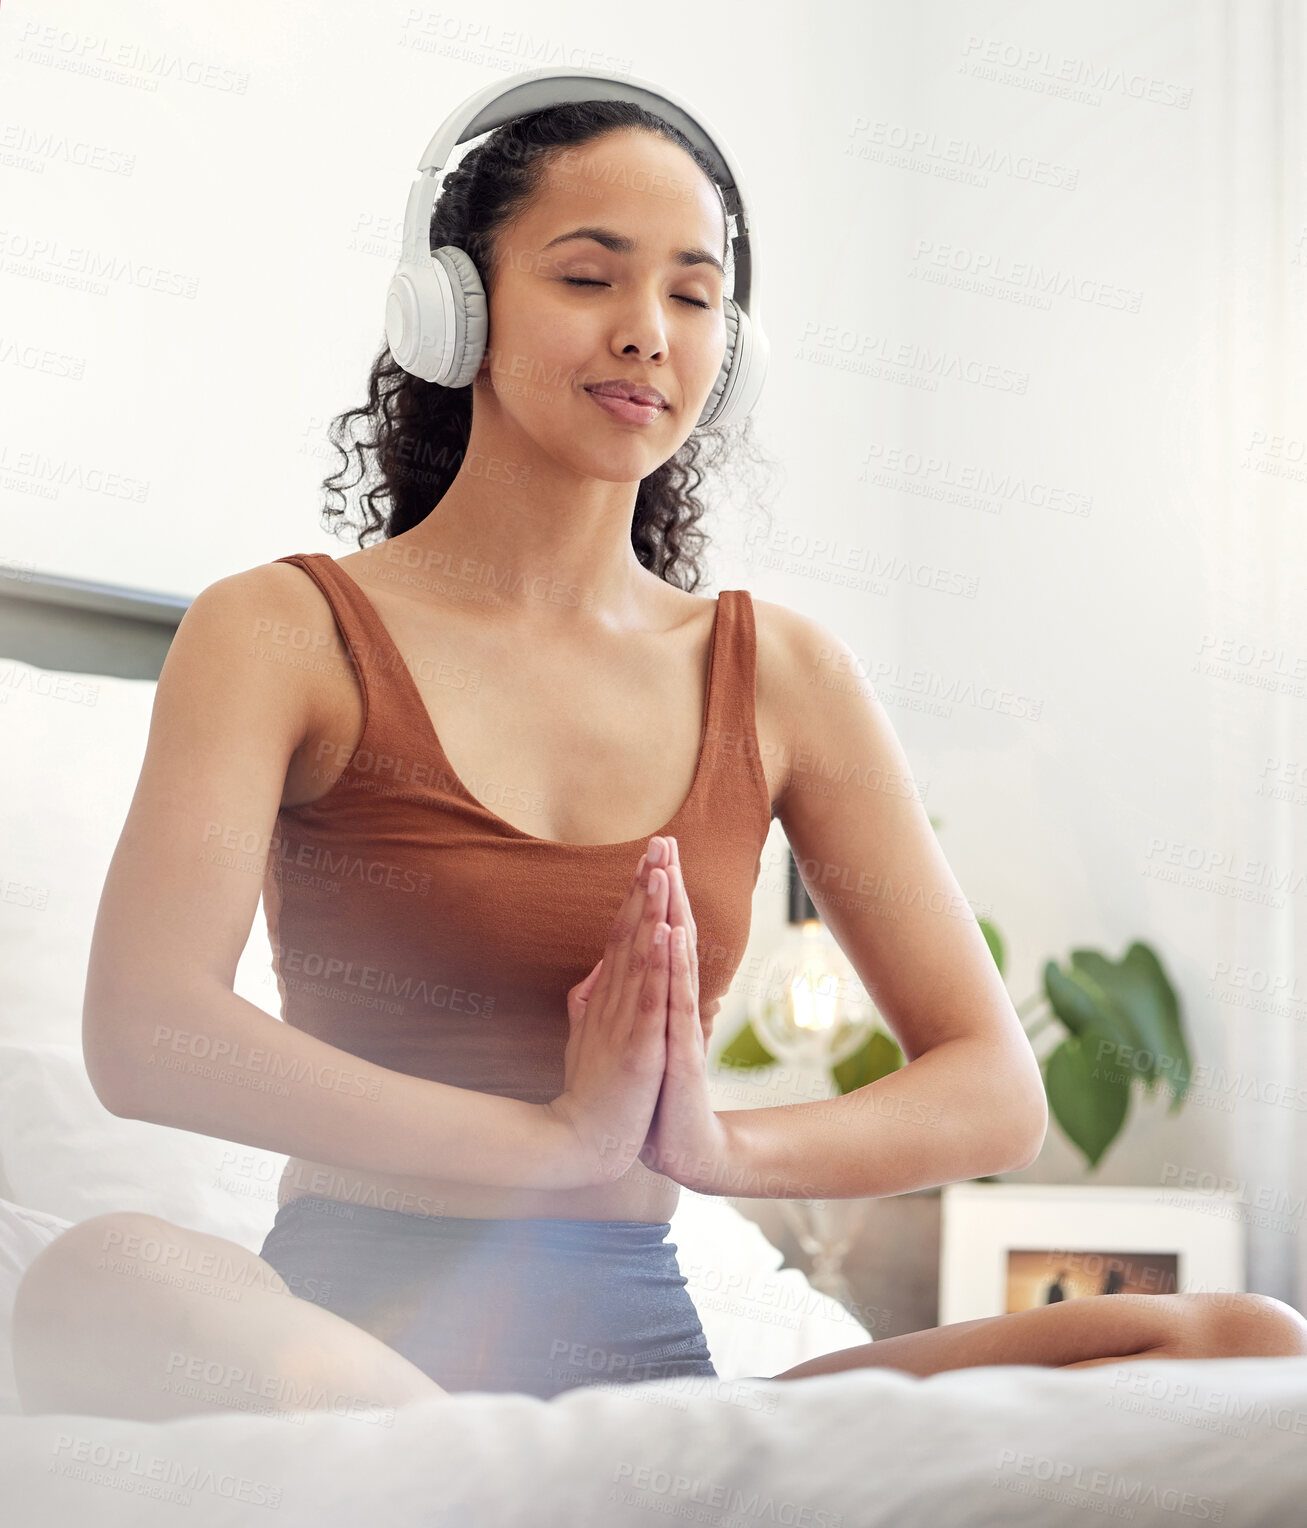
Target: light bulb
x=811, y=1007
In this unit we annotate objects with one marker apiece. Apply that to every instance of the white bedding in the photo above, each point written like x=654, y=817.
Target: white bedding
x=1152, y=1443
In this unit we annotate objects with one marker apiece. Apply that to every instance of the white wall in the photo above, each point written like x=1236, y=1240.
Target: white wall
x=1082, y=289
x=1113, y=344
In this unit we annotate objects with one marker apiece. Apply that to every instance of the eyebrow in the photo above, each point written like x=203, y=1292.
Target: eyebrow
x=620, y=244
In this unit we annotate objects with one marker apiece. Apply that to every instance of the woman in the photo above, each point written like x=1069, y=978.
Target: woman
x=482, y=1174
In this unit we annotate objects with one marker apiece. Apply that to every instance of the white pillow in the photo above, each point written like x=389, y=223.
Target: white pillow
x=66, y=1155
x=758, y=1317
x=73, y=750
x=23, y=1233
x=74, y=744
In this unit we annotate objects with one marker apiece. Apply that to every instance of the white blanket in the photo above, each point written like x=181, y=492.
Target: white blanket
x=1211, y=1441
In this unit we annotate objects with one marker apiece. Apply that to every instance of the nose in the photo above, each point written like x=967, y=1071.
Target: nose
x=641, y=327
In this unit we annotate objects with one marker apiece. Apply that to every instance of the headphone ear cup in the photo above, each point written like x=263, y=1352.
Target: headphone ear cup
x=404, y=309
x=743, y=370
x=712, y=409
x=436, y=318
x=471, y=315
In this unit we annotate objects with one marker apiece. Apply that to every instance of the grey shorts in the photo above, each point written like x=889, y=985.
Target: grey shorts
x=535, y=1306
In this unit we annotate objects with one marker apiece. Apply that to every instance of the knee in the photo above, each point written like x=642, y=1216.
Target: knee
x=61, y=1267
x=1239, y=1325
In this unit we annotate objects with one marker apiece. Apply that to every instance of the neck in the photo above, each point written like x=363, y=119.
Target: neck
x=546, y=547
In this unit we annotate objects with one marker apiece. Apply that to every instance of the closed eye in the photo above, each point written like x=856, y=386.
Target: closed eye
x=584, y=281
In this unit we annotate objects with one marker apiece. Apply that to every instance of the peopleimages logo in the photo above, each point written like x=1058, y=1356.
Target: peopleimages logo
x=1074, y=78
x=673, y=1494
x=866, y=352
x=148, y=1474
x=411, y=989
x=907, y=147
x=340, y=864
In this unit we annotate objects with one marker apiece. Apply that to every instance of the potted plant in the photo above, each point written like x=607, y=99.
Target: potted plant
x=1112, y=1022
x=1120, y=1021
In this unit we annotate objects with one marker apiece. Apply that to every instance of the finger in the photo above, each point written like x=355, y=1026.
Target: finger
x=579, y=998
x=630, y=961
x=651, y=1010
x=681, y=896
x=623, y=928
x=681, y=901
x=654, y=912
x=682, y=1008
x=639, y=886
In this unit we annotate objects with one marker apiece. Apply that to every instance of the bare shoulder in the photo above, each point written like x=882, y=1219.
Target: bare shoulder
x=792, y=647
x=277, y=587
x=261, y=626
x=813, y=691
x=272, y=604
x=282, y=584
x=792, y=634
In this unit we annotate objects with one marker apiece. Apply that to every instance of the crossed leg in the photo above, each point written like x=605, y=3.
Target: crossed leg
x=98, y=1329
x=1085, y=1332
x=128, y=1315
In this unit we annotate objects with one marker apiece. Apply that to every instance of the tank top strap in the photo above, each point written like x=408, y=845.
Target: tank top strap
x=391, y=701
x=731, y=743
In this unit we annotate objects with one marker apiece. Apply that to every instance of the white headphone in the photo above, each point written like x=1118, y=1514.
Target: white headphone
x=436, y=313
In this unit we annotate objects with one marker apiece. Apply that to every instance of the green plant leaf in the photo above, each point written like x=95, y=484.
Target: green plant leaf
x=877, y=1058
x=746, y=1051
x=995, y=942
x=1089, y=1101
x=1140, y=987
x=1082, y=1004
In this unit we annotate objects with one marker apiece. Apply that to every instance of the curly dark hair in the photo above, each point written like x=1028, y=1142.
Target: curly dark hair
x=414, y=433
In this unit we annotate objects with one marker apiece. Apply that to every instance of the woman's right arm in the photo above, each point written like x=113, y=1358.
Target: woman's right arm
x=165, y=1037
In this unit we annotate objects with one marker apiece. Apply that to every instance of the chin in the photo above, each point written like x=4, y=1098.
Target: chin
x=624, y=472
x=618, y=461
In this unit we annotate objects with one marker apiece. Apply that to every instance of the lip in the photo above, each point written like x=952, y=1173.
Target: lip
x=626, y=410
x=620, y=387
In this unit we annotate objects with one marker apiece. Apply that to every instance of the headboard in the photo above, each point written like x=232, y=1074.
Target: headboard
x=83, y=627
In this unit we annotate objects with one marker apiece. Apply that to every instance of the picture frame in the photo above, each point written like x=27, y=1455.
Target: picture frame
x=1010, y=1246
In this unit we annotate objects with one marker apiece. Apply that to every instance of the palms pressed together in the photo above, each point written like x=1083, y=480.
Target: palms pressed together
x=686, y=1141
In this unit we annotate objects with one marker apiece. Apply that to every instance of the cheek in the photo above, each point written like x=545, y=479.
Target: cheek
x=712, y=364
x=541, y=351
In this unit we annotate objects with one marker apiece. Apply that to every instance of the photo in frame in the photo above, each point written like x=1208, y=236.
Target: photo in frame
x=1006, y=1247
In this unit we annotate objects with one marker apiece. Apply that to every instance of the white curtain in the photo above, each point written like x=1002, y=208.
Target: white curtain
x=1251, y=460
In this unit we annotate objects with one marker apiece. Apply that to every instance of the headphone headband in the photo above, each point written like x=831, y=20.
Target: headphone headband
x=538, y=88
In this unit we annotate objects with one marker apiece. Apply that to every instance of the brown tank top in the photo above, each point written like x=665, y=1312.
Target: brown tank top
x=415, y=928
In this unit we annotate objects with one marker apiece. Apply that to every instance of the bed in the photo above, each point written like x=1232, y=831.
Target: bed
x=1222, y=1441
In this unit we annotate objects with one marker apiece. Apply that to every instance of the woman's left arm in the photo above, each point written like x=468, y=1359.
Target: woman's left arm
x=970, y=1101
